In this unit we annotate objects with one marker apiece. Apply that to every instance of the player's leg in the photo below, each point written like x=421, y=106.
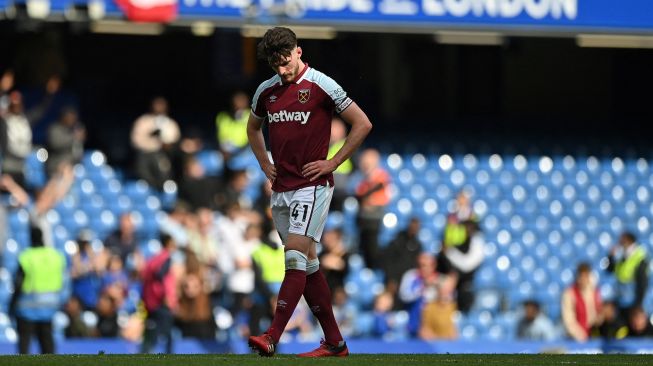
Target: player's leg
x=317, y=292
x=318, y=297
x=291, y=213
x=294, y=281
x=292, y=288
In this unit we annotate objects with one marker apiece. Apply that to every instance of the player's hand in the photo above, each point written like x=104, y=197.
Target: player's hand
x=270, y=171
x=317, y=168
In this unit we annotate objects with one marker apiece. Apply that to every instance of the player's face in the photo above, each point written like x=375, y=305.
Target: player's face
x=289, y=67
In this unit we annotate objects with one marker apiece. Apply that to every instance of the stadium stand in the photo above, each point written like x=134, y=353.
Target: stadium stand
x=541, y=214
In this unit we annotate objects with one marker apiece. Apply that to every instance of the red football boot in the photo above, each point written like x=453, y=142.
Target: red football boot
x=263, y=344
x=327, y=350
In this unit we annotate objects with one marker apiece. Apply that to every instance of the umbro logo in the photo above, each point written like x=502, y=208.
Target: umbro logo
x=273, y=98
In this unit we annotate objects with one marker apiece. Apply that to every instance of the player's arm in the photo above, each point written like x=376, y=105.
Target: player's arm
x=360, y=128
x=257, y=143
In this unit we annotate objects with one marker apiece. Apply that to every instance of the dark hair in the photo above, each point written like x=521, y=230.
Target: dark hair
x=533, y=303
x=276, y=45
x=583, y=267
x=636, y=310
x=166, y=240
x=629, y=236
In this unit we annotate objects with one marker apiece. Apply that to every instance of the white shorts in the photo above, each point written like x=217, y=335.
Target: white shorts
x=301, y=212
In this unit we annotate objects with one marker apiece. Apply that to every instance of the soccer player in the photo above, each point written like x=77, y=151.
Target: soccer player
x=298, y=103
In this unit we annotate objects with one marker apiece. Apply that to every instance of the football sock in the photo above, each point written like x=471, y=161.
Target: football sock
x=291, y=291
x=318, y=297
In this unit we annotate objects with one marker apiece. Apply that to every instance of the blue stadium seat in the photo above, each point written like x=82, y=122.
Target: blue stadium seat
x=6, y=290
x=18, y=220
x=93, y=160
x=92, y=205
x=363, y=286
x=243, y=161
x=393, y=163
x=35, y=176
x=486, y=277
x=103, y=223
x=211, y=161
x=364, y=323
x=10, y=256
x=137, y=190
x=418, y=163
x=467, y=331
x=487, y=300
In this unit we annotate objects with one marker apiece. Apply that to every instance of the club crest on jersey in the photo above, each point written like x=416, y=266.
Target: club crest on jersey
x=303, y=95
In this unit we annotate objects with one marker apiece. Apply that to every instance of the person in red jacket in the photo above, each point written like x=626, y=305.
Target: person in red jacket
x=159, y=296
x=581, y=305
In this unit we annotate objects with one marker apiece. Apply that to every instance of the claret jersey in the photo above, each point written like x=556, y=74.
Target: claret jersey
x=299, y=122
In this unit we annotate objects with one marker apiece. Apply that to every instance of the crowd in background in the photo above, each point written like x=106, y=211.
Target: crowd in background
x=221, y=255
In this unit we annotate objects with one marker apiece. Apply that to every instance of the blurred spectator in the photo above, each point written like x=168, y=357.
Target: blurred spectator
x=159, y=297
x=6, y=85
x=231, y=126
x=18, y=139
x=46, y=199
x=630, y=266
x=115, y=282
x=197, y=189
x=340, y=175
x=65, y=140
x=54, y=191
x=76, y=328
x=612, y=327
x=123, y=242
x=194, y=317
x=173, y=223
x=262, y=204
x=437, y=317
x=192, y=142
x=107, y=312
x=154, y=136
x=373, y=194
x=534, y=325
x=189, y=146
x=201, y=237
x=269, y=269
x=462, y=250
x=345, y=312
x=334, y=258
x=38, y=288
x=15, y=194
x=383, y=317
x=242, y=281
x=581, y=305
x=237, y=181
x=401, y=254
x=419, y=286
x=16, y=125
x=229, y=230
x=639, y=324
x=87, y=269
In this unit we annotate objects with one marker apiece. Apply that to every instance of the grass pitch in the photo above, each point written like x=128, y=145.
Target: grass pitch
x=354, y=360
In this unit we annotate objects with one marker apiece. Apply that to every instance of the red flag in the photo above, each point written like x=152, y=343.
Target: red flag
x=155, y=11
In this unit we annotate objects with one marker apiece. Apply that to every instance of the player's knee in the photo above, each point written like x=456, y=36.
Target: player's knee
x=312, y=266
x=296, y=260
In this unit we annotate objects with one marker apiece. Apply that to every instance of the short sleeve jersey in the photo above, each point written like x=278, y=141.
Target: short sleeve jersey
x=299, y=122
